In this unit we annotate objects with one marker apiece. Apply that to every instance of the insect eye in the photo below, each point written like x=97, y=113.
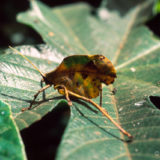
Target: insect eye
x=101, y=57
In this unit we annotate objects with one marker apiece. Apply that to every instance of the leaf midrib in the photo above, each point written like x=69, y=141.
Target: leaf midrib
x=128, y=30
x=147, y=52
x=76, y=38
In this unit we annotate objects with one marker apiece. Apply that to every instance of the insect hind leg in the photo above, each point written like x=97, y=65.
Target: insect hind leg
x=65, y=93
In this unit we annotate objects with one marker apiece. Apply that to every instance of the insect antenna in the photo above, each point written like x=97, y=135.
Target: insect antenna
x=16, y=51
x=42, y=74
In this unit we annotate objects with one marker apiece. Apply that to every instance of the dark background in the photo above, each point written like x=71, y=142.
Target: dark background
x=42, y=138
x=13, y=33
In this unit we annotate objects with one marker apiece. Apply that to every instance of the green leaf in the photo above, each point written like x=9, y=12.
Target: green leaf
x=54, y=27
x=118, y=33
x=156, y=8
x=11, y=145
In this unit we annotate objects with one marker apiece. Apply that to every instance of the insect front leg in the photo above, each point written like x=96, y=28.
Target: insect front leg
x=43, y=94
x=35, y=96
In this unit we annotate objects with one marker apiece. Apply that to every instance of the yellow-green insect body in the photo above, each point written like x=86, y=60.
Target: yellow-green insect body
x=83, y=74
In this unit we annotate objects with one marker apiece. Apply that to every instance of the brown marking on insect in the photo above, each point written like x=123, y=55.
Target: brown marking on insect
x=100, y=87
x=112, y=81
x=84, y=75
x=112, y=75
x=77, y=84
x=86, y=92
x=91, y=66
x=71, y=75
x=94, y=80
x=94, y=84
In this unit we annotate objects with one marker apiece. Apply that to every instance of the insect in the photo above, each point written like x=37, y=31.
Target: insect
x=80, y=76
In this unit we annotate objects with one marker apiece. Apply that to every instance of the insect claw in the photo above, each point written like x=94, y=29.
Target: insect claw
x=70, y=103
